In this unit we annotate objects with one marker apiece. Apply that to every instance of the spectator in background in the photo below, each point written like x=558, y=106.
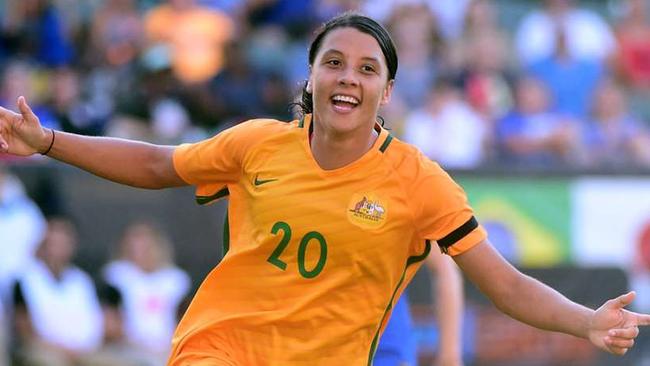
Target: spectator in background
x=22, y=78
x=116, y=349
x=190, y=37
x=447, y=130
x=571, y=80
x=291, y=14
x=449, y=14
x=416, y=30
x=613, y=138
x=21, y=229
x=58, y=318
x=35, y=29
x=531, y=134
x=116, y=33
x=484, y=69
x=588, y=36
x=325, y=9
x=633, y=56
x=245, y=92
x=70, y=110
x=170, y=121
x=151, y=286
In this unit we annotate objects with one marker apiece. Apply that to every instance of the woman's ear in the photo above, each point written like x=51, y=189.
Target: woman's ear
x=309, y=88
x=388, y=91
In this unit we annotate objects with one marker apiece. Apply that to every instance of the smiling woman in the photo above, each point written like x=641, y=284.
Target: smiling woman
x=353, y=63
x=349, y=82
x=329, y=219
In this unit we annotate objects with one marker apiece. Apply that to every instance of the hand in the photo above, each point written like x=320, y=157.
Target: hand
x=613, y=328
x=22, y=134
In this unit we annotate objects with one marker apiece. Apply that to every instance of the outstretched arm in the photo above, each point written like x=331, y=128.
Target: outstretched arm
x=610, y=328
x=448, y=290
x=134, y=163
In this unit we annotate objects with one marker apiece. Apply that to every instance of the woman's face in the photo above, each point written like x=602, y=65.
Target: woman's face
x=348, y=81
x=60, y=243
x=142, y=247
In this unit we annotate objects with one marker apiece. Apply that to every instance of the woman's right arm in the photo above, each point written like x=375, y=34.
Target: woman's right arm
x=133, y=163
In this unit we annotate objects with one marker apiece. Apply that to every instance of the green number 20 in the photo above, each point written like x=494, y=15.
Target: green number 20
x=275, y=260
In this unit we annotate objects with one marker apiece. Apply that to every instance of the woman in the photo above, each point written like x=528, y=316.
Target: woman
x=152, y=287
x=329, y=219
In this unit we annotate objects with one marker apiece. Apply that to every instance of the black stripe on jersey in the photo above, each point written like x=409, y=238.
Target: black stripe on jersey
x=202, y=200
x=384, y=146
x=457, y=234
x=411, y=260
x=226, y=233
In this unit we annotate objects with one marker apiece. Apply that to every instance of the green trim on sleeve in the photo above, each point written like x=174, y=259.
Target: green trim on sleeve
x=203, y=200
x=409, y=261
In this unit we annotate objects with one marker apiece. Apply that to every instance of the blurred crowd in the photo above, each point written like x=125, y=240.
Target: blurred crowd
x=53, y=313
x=565, y=87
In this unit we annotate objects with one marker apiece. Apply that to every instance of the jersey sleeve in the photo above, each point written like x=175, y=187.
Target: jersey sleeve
x=212, y=164
x=442, y=211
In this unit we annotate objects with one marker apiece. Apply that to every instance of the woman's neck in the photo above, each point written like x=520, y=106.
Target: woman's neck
x=333, y=150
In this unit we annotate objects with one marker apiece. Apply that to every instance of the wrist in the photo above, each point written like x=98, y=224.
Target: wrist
x=47, y=142
x=587, y=324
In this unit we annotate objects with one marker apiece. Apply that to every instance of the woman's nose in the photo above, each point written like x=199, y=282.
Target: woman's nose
x=348, y=78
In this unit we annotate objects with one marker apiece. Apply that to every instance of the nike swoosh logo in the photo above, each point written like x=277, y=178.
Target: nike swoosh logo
x=259, y=182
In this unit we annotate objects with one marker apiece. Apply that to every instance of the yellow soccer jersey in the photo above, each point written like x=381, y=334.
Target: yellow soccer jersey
x=316, y=257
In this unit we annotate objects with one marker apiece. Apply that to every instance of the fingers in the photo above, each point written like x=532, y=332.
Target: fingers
x=617, y=350
x=619, y=342
x=642, y=319
x=622, y=301
x=4, y=147
x=25, y=110
x=7, y=114
x=627, y=333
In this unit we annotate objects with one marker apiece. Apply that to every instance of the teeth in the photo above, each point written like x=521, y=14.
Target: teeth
x=345, y=98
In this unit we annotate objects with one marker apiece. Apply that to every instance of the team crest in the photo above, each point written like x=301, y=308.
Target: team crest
x=367, y=211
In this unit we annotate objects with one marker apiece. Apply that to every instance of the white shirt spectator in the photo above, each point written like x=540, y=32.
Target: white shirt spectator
x=22, y=227
x=65, y=311
x=150, y=301
x=454, y=137
x=449, y=14
x=588, y=36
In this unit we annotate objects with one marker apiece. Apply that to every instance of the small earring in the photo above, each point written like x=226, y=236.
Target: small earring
x=308, y=87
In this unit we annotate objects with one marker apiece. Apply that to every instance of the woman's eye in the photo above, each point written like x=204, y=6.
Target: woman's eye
x=334, y=62
x=368, y=68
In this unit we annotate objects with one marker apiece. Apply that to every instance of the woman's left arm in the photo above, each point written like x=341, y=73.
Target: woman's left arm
x=610, y=327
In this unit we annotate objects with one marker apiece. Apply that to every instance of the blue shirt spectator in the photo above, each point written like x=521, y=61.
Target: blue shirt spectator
x=531, y=134
x=570, y=83
x=570, y=79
